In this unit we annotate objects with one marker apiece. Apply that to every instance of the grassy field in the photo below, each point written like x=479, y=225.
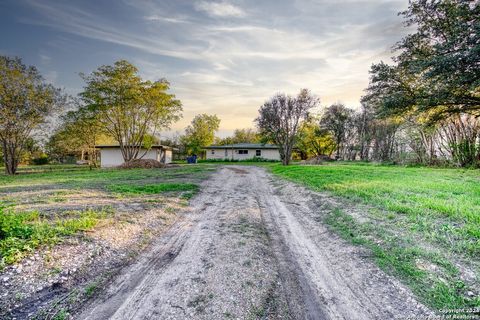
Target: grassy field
x=421, y=224
x=35, y=205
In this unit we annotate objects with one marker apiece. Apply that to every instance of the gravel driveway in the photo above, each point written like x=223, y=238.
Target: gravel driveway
x=252, y=247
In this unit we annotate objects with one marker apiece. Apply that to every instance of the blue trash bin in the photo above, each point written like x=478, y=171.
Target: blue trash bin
x=192, y=159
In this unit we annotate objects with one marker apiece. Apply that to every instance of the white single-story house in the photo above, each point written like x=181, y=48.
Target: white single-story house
x=243, y=151
x=111, y=155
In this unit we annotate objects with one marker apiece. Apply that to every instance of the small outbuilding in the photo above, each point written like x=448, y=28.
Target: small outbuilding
x=243, y=151
x=111, y=155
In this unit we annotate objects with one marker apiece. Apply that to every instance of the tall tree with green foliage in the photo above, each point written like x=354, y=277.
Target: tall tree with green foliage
x=437, y=68
x=129, y=108
x=280, y=118
x=25, y=103
x=200, y=133
x=78, y=134
x=313, y=141
x=240, y=136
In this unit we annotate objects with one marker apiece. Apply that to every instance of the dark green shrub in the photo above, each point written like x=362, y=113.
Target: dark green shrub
x=41, y=160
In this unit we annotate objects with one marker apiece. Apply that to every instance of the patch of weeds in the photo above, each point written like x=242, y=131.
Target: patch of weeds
x=56, y=197
x=132, y=189
x=183, y=203
x=159, y=201
x=170, y=210
x=22, y=232
x=188, y=195
x=228, y=315
x=55, y=270
x=435, y=279
x=62, y=314
x=90, y=289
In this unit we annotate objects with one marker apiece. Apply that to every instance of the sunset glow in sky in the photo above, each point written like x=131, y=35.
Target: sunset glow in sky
x=221, y=57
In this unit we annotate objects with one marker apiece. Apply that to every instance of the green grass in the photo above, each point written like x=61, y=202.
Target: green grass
x=153, y=188
x=451, y=193
x=62, y=314
x=442, y=289
x=91, y=288
x=421, y=223
x=433, y=201
x=22, y=232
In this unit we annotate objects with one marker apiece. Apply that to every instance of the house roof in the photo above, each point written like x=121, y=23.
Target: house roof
x=114, y=146
x=244, y=146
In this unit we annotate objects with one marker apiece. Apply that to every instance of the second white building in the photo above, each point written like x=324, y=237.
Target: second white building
x=243, y=151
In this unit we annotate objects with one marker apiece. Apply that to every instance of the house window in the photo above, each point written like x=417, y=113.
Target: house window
x=258, y=153
x=242, y=151
x=213, y=151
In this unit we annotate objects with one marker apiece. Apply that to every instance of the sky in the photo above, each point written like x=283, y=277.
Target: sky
x=223, y=57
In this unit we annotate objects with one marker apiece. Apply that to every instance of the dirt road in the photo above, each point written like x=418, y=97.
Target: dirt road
x=252, y=247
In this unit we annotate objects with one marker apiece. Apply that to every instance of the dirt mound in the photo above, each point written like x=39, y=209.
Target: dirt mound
x=142, y=163
x=315, y=160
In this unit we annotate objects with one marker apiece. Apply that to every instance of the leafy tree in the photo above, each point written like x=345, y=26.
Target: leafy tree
x=240, y=136
x=437, y=67
x=127, y=107
x=61, y=145
x=312, y=141
x=280, y=118
x=392, y=91
x=31, y=151
x=245, y=136
x=200, y=133
x=78, y=134
x=337, y=120
x=25, y=103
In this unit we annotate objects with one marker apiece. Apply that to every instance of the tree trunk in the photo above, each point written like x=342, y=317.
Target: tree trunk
x=287, y=155
x=10, y=157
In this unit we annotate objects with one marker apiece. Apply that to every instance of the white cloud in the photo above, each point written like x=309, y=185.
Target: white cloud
x=219, y=9
x=44, y=59
x=156, y=17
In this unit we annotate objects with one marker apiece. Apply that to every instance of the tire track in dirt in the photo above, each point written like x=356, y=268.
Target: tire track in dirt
x=251, y=247
x=344, y=284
